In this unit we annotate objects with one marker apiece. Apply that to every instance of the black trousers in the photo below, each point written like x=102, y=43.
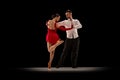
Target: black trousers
x=71, y=46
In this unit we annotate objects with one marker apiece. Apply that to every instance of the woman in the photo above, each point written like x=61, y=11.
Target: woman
x=52, y=37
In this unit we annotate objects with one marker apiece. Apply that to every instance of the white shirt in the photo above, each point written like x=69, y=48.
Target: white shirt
x=71, y=34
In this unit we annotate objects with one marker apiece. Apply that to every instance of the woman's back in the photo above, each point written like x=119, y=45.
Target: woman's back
x=51, y=25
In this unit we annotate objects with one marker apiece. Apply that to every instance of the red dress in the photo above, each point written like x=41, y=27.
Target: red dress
x=52, y=36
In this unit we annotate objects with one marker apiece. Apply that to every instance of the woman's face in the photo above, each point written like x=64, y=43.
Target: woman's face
x=58, y=18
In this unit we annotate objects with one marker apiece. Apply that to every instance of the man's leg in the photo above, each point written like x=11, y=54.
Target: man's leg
x=74, y=53
x=65, y=52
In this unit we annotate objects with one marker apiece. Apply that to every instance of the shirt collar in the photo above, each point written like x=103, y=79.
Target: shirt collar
x=69, y=19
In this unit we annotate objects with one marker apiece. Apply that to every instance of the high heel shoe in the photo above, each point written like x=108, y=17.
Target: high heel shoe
x=49, y=66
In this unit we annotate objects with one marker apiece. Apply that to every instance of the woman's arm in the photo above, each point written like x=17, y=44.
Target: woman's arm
x=62, y=28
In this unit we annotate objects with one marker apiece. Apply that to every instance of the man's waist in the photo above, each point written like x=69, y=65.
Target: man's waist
x=73, y=37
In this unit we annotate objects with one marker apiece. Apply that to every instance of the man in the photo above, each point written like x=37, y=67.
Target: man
x=72, y=41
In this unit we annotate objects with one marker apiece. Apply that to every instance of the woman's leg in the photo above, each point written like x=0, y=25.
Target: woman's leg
x=51, y=55
x=51, y=59
x=48, y=46
x=53, y=47
x=51, y=50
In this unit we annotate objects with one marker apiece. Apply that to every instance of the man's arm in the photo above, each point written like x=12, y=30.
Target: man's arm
x=77, y=24
x=62, y=23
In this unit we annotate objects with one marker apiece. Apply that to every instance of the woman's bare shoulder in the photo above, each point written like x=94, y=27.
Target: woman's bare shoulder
x=50, y=21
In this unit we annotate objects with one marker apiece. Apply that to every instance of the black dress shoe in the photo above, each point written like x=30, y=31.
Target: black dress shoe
x=58, y=66
x=74, y=66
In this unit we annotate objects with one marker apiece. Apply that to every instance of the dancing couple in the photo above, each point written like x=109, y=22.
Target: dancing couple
x=72, y=41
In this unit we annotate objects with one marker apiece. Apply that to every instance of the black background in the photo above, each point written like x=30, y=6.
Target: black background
x=26, y=43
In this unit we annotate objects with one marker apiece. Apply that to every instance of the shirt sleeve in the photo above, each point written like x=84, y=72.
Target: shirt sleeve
x=77, y=24
x=62, y=23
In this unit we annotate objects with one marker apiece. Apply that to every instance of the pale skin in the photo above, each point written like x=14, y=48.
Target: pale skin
x=68, y=15
x=51, y=48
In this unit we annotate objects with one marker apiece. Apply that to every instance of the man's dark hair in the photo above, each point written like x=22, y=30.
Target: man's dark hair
x=69, y=11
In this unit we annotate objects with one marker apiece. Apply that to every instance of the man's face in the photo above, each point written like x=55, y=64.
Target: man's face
x=68, y=15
